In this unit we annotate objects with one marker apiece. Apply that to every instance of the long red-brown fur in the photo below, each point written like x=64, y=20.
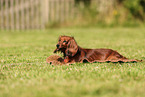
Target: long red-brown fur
x=75, y=53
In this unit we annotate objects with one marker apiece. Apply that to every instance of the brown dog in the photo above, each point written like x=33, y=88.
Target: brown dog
x=74, y=53
x=62, y=44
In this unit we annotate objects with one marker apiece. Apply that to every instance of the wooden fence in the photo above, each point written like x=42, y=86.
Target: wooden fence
x=20, y=14
x=35, y=14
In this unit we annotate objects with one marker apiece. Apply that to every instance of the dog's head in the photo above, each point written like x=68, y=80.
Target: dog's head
x=62, y=43
x=72, y=48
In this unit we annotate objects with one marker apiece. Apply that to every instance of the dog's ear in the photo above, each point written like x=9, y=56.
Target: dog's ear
x=72, y=47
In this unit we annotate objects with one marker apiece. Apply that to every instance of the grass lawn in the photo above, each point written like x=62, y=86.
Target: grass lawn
x=25, y=73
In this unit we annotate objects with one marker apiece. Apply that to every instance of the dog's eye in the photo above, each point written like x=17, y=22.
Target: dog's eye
x=59, y=40
x=64, y=41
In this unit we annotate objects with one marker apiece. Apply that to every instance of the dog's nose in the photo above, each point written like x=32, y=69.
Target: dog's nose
x=57, y=45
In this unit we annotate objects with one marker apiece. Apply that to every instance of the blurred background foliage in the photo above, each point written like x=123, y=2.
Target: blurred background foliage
x=126, y=13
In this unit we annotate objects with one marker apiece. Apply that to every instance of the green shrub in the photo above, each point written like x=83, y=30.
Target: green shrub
x=136, y=8
x=130, y=13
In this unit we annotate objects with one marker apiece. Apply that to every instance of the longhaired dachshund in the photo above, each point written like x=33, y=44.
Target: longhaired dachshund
x=62, y=44
x=75, y=53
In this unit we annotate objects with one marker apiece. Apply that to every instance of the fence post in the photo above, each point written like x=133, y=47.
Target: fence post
x=44, y=11
x=7, y=14
x=12, y=14
x=1, y=15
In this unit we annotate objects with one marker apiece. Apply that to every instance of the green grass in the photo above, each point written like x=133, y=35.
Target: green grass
x=24, y=72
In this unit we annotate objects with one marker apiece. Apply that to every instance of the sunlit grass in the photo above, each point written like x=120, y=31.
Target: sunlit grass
x=24, y=72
